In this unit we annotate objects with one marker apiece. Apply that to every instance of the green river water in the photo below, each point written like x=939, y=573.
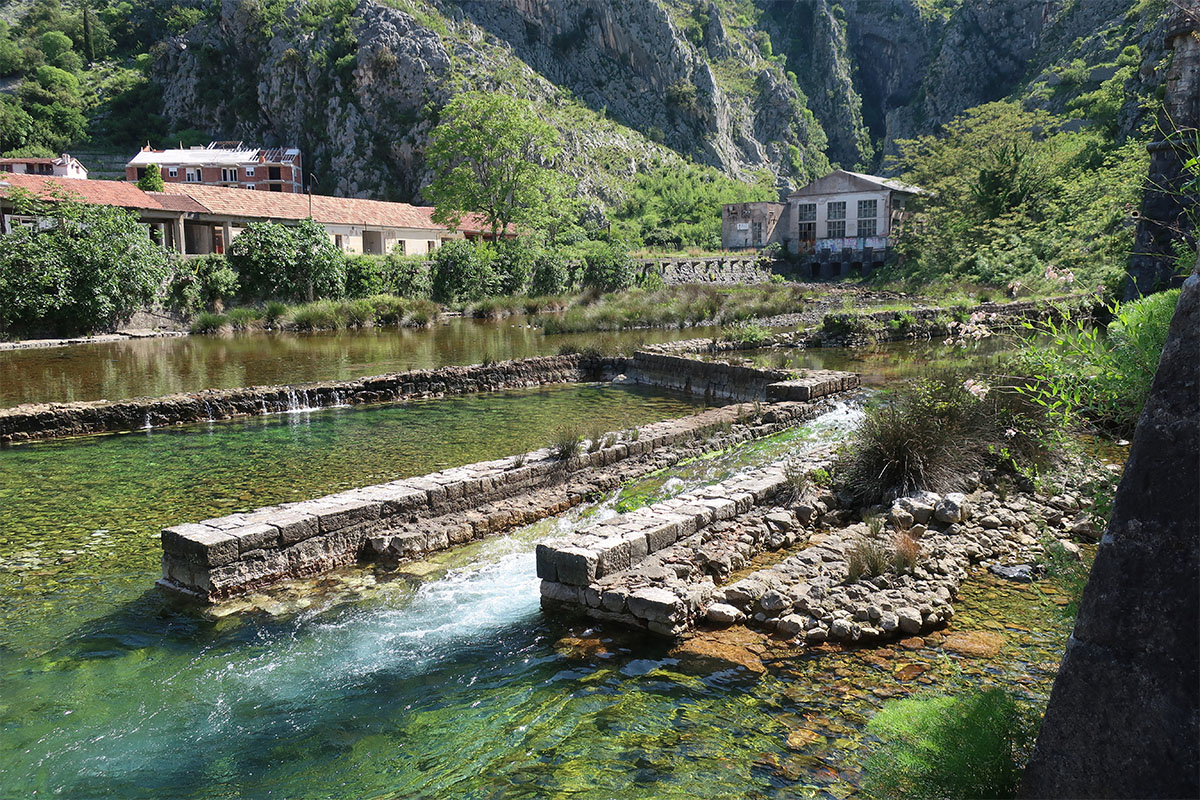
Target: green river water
x=137, y=367
x=443, y=680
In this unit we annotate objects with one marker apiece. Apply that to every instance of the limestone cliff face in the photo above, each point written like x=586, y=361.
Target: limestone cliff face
x=785, y=87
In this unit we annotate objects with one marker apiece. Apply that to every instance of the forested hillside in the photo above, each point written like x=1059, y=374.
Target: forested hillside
x=747, y=97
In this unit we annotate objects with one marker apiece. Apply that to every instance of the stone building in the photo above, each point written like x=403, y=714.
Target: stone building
x=751, y=225
x=232, y=164
x=839, y=225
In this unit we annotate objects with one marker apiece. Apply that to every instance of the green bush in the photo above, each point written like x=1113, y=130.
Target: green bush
x=650, y=279
x=550, y=274
x=201, y=283
x=935, y=746
x=934, y=432
x=407, y=276
x=1102, y=379
x=365, y=275
x=244, y=318
x=566, y=442
x=462, y=271
x=86, y=273
x=208, y=322
x=284, y=262
x=513, y=265
x=608, y=268
x=316, y=316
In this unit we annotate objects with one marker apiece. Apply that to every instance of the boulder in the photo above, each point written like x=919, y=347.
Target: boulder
x=723, y=614
x=952, y=508
x=909, y=619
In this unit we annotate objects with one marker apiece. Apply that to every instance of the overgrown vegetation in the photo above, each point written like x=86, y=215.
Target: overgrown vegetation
x=939, y=746
x=1098, y=376
x=1017, y=199
x=85, y=269
x=935, y=432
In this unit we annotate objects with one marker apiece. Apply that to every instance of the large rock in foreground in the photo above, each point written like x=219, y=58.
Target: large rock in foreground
x=1124, y=715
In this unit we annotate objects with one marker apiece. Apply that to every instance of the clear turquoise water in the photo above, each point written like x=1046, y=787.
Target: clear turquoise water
x=151, y=367
x=447, y=685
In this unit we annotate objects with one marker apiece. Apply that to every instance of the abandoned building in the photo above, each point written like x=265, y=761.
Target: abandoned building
x=232, y=164
x=750, y=225
x=839, y=225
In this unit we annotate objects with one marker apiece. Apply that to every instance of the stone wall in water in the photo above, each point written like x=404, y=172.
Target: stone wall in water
x=1124, y=715
x=405, y=519
x=51, y=420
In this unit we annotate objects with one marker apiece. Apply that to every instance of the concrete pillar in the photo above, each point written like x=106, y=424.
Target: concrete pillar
x=227, y=234
x=180, y=242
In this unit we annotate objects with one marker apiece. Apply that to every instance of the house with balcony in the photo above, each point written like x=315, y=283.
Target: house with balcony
x=231, y=164
x=63, y=166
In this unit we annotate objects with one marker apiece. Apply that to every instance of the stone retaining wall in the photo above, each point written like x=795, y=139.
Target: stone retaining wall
x=239, y=553
x=718, y=269
x=718, y=380
x=840, y=328
x=51, y=420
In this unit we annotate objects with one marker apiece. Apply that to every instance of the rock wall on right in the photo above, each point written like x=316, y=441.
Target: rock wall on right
x=1124, y=715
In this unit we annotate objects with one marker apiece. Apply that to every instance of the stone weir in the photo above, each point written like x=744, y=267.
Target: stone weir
x=52, y=420
x=669, y=567
x=718, y=380
x=233, y=555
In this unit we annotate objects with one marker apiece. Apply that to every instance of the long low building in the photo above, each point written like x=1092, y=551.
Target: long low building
x=195, y=219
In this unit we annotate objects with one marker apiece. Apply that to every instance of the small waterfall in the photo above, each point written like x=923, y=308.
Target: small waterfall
x=208, y=414
x=146, y=422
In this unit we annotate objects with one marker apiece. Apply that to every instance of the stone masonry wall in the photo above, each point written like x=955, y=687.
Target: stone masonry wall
x=51, y=420
x=232, y=555
x=722, y=269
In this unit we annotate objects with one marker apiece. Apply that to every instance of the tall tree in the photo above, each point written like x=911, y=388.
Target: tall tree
x=494, y=156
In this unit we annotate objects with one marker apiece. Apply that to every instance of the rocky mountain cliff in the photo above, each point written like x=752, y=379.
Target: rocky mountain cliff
x=783, y=87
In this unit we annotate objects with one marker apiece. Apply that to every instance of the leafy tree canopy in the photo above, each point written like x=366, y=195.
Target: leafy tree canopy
x=83, y=269
x=495, y=157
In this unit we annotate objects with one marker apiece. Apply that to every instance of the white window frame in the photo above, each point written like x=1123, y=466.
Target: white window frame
x=192, y=176
x=868, y=205
x=172, y=172
x=836, y=209
x=249, y=172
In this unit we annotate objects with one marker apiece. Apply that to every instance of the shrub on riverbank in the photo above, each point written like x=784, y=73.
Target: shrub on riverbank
x=935, y=746
x=288, y=262
x=935, y=432
x=88, y=271
x=393, y=274
x=204, y=283
x=209, y=322
x=1099, y=377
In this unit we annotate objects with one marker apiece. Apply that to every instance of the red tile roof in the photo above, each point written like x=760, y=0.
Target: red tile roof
x=257, y=204
x=103, y=193
x=200, y=198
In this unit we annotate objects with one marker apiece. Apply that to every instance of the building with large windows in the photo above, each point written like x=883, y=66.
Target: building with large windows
x=839, y=224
